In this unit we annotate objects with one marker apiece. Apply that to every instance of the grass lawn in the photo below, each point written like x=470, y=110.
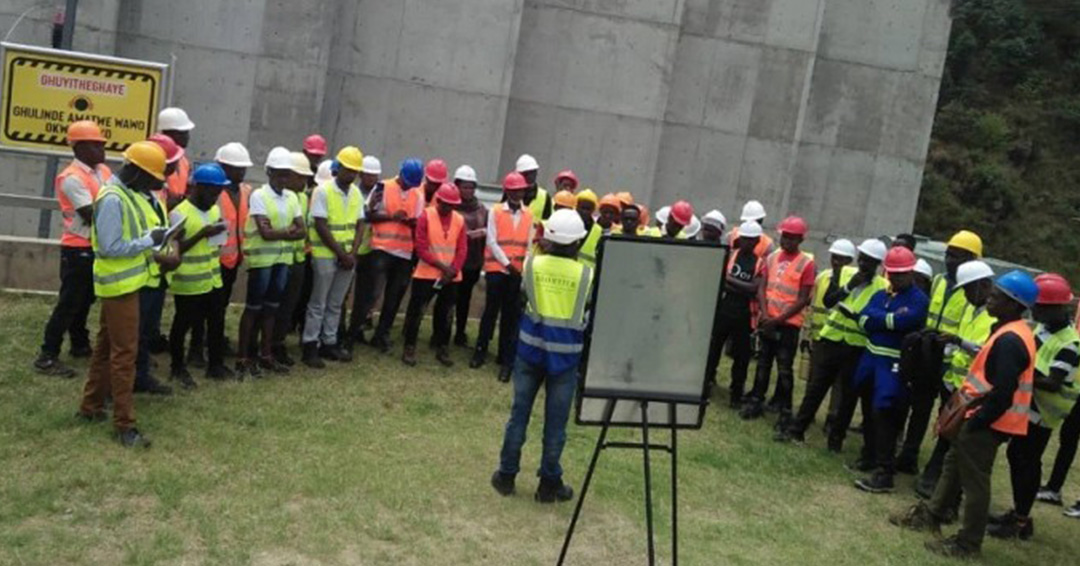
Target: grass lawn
x=376, y=463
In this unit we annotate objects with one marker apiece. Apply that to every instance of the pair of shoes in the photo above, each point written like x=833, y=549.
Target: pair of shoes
x=751, y=410
x=271, y=365
x=153, y=387
x=479, y=358
x=1047, y=495
x=461, y=340
x=880, y=482
x=246, y=368
x=442, y=355
x=553, y=491
x=334, y=353
x=132, y=438
x=219, y=373
x=408, y=357
x=503, y=483
x=951, y=548
x=381, y=344
x=81, y=351
x=281, y=354
x=1074, y=511
x=184, y=377
x=918, y=517
x=789, y=434
x=196, y=360
x=310, y=356
x=505, y=372
x=50, y=365
x=95, y=417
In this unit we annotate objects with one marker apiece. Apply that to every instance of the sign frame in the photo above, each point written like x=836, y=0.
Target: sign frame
x=159, y=92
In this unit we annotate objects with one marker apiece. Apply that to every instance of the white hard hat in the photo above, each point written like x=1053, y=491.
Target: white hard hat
x=750, y=229
x=923, y=267
x=465, y=173
x=693, y=228
x=716, y=219
x=564, y=227
x=174, y=119
x=233, y=153
x=526, y=163
x=371, y=165
x=663, y=214
x=874, y=248
x=972, y=271
x=843, y=247
x=300, y=164
x=323, y=174
x=279, y=158
x=752, y=211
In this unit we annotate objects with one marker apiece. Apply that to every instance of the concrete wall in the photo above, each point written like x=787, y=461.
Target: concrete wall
x=820, y=107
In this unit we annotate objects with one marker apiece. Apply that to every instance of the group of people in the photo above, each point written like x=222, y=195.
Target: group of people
x=322, y=230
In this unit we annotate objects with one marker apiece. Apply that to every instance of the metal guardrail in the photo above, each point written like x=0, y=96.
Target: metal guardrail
x=28, y=201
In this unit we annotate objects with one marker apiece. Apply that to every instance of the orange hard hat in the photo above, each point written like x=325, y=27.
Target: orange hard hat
x=449, y=194
x=682, y=212
x=625, y=198
x=1053, y=290
x=793, y=225
x=514, y=181
x=900, y=260
x=610, y=200
x=566, y=198
x=569, y=176
x=84, y=130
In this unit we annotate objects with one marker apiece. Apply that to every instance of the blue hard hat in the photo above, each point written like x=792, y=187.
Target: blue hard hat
x=412, y=171
x=209, y=174
x=1019, y=286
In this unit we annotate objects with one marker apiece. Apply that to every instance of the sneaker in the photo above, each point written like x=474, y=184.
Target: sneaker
x=219, y=373
x=381, y=344
x=196, y=360
x=880, y=482
x=1047, y=495
x=1022, y=528
x=917, y=518
x=81, y=351
x=951, y=548
x=479, y=358
x=503, y=483
x=1074, y=511
x=184, y=377
x=272, y=365
x=553, y=491
x=461, y=340
x=281, y=354
x=49, y=365
x=95, y=417
x=442, y=355
x=408, y=357
x=154, y=387
x=131, y=438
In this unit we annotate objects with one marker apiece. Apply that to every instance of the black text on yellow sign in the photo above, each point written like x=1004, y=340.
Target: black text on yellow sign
x=45, y=90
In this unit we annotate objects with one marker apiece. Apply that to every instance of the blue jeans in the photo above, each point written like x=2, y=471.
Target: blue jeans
x=266, y=286
x=151, y=303
x=559, y=395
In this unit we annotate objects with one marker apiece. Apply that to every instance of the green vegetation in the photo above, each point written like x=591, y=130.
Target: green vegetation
x=1003, y=155
x=373, y=463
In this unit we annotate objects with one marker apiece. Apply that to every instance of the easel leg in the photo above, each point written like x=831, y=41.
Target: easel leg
x=648, y=480
x=674, y=489
x=608, y=409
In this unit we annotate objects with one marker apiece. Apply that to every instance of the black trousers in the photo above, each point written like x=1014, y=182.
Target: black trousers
x=932, y=470
x=194, y=311
x=1067, y=441
x=832, y=365
x=366, y=287
x=502, y=302
x=780, y=347
x=464, y=299
x=734, y=330
x=422, y=292
x=398, y=273
x=73, y=305
x=853, y=396
x=298, y=279
x=1025, y=466
x=918, y=419
x=198, y=333
x=886, y=430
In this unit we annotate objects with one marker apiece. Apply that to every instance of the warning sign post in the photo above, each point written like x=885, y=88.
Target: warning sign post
x=44, y=90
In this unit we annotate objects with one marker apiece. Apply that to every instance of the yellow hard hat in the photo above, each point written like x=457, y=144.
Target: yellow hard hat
x=148, y=156
x=350, y=157
x=967, y=240
x=588, y=195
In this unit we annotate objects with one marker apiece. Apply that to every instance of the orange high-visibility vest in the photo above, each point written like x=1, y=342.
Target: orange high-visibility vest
x=761, y=250
x=443, y=244
x=234, y=219
x=177, y=182
x=67, y=209
x=1015, y=420
x=514, y=241
x=782, y=288
x=395, y=236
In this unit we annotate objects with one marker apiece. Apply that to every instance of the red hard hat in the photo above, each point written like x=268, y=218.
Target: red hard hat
x=682, y=212
x=900, y=260
x=514, y=181
x=315, y=144
x=569, y=175
x=793, y=225
x=173, y=152
x=449, y=194
x=1053, y=290
x=436, y=171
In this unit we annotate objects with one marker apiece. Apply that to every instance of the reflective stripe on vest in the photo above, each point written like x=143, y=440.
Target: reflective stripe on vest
x=199, y=271
x=342, y=214
x=67, y=210
x=587, y=253
x=1015, y=420
x=782, y=287
x=839, y=327
x=514, y=240
x=975, y=326
x=116, y=276
x=395, y=236
x=552, y=332
x=443, y=244
x=259, y=252
x=1052, y=407
x=945, y=314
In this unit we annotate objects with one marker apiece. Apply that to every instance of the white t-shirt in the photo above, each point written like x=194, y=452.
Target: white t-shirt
x=288, y=206
x=319, y=208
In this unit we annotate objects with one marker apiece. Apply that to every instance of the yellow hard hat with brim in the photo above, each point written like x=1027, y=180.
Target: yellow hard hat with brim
x=350, y=157
x=148, y=156
x=967, y=240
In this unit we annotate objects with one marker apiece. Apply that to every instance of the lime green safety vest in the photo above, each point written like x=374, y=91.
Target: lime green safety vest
x=365, y=244
x=975, y=325
x=342, y=214
x=1051, y=407
x=261, y=253
x=536, y=207
x=587, y=253
x=840, y=328
x=818, y=313
x=116, y=276
x=946, y=306
x=300, y=247
x=200, y=269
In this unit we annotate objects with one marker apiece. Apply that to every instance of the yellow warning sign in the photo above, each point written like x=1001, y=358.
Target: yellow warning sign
x=44, y=90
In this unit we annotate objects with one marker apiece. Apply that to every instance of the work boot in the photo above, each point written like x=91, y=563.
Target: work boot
x=1010, y=525
x=751, y=410
x=1047, y=495
x=408, y=357
x=382, y=344
x=461, y=340
x=84, y=351
x=951, y=548
x=271, y=365
x=131, y=438
x=917, y=518
x=505, y=373
x=50, y=365
x=184, y=377
x=281, y=354
x=334, y=353
x=879, y=482
x=479, y=358
x=552, y=491
x=503, y=483
x=219, y=373
x=195, y=359
x=310, y=356
x=153, y=387
x=442, y=355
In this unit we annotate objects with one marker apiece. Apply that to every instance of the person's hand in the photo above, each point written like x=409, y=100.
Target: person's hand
x=513, y=270
x=766, y=322
x=857, y=280
x=167, y=261
x=444, y=280
x=157, y=235
x=846, y=311
x=448, y=272
x=945, y=339
x=346, y=261
x=211, y=230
